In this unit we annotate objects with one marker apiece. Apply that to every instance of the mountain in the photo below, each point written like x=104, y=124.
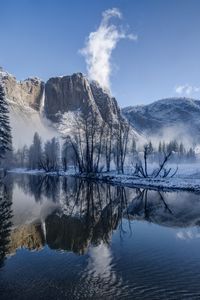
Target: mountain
x=76, y=93
x=177, y=118
x=40, y=106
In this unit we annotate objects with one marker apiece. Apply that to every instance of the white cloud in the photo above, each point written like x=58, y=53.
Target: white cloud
x=186, y=89
x=100, y=44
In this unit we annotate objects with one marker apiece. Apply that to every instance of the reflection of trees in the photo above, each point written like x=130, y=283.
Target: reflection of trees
x=5, y=218
x=39, y=186
x=142, y=205
x=95, y=212
x=88, y=213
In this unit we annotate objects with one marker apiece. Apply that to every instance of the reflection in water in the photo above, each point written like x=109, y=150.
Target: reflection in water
x=91, y=219
x=100, y=261
x=29, y=236
x=39, y=186
x=5, y=218
x=173, y=209
x=74, y=214
x=68, y=214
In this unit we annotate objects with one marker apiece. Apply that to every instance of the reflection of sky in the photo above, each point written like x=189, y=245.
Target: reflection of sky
x=100, y=261
x=173, y=209
x=26, y=209
x=154, y=262
x=188, y=234
x=100, y=271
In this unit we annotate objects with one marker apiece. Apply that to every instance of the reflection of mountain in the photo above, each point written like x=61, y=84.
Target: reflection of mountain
x=180, y=209
x=99, y=213
x=73, y=214
x=29, y=236
x=86, y=213
x=67, y=233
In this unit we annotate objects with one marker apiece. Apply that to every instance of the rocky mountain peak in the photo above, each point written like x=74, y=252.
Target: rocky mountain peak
x=77, y=93
x=25, y=93
x=33, y=99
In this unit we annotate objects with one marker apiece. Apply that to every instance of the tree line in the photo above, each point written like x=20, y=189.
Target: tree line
x=91, y=146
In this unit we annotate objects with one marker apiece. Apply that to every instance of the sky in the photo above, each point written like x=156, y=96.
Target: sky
x=142, y=50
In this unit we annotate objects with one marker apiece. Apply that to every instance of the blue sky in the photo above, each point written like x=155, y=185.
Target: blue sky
x=43, y=38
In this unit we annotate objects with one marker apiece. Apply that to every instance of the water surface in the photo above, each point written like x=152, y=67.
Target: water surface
x=64, y=238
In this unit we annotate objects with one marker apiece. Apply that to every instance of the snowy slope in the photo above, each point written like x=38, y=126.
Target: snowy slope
x=172, y=118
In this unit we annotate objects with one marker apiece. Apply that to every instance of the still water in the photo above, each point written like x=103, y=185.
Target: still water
x=64, y=238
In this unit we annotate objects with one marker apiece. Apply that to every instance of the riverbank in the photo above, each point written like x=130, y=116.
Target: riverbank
x=187, y=178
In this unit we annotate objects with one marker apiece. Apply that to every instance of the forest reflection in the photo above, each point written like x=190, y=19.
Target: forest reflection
x=85, y=213
x=6, y=188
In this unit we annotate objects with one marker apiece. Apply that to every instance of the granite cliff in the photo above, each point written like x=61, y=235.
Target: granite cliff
x=39, y=106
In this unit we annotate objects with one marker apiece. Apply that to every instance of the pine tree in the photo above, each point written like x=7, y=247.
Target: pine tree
x=181, y=149
x=150, y=147
x=35, y=152
x=163, y=147
x=160, y=147
x=5, y=129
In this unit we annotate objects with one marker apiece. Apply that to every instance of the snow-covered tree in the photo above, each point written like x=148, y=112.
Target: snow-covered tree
x=5, y=129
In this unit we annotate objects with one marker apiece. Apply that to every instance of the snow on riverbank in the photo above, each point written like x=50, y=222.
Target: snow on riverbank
x=187, y=178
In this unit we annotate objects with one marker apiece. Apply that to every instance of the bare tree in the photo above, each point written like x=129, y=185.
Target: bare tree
x=121, y=134
x=162, y=170
x=86, y=141
x=108, y=136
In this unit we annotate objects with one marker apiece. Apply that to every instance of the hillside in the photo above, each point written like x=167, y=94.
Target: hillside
x=167, y=118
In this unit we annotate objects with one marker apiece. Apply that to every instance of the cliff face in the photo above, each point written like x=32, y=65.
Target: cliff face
x=25, y=93
x=26, y=100
x=61, y=94
x=68, y=93
x=107, y=105
x=76, y=93
x=39, y=106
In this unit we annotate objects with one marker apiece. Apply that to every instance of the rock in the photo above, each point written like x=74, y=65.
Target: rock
x=68, y=93
x=43, y=105
x=25, y=93
x=107, y=105
x=76, y=93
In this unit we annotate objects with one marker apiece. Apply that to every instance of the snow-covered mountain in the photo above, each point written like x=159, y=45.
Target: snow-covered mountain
x=177, y=118
x=39, y=106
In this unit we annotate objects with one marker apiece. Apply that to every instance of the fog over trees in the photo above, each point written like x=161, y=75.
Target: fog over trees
x=92, y=147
